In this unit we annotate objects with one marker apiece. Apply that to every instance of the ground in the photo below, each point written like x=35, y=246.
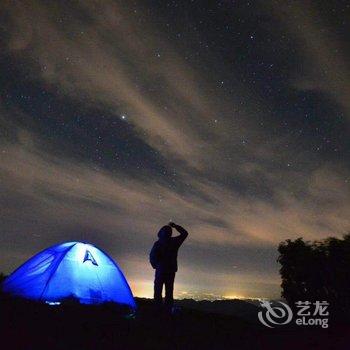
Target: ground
x=28, y=325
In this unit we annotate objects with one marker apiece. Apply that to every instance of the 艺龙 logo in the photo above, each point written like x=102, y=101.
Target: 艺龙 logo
x=274, y=315
x=307, y=314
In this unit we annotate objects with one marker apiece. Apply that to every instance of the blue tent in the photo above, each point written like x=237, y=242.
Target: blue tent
x=70, y=270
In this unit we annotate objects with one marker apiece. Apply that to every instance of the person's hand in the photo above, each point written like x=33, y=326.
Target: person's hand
x=171, y=224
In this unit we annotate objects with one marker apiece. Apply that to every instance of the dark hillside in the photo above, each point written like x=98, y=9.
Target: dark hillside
x=28, y=325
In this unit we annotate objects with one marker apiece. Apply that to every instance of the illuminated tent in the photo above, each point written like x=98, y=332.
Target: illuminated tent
x=70, y=270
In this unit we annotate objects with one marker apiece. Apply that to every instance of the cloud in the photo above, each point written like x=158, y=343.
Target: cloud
x=68, y=193
x=322, y=51
x=111, y=61
x=99, y=68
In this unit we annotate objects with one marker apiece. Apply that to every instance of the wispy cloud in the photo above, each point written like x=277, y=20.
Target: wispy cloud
x=57, y=196
x=327, y=69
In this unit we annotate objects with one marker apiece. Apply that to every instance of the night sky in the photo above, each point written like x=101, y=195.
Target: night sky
x=230, y=118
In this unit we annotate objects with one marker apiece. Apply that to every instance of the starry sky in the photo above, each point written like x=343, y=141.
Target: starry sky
x=230, y=118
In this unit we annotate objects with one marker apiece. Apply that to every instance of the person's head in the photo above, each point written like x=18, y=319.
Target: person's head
x=165, y=232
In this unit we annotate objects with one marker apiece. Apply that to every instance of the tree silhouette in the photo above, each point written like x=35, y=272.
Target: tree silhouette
x=316, y=270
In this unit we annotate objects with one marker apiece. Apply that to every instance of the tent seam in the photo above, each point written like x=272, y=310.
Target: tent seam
x=55, y=269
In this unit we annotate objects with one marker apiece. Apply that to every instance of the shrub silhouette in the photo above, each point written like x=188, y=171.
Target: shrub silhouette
x=2, y=277
x=318, y=270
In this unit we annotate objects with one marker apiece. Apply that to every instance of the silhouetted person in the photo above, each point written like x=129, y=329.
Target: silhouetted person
x=163, y=258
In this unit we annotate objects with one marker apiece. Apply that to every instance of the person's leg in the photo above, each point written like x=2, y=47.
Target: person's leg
x=169, y=290
x=158, y=287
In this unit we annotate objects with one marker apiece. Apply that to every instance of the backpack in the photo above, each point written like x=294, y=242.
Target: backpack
x=154, y=255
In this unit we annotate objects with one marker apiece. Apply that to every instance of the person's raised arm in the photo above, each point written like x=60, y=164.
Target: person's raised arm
x=183, y=233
